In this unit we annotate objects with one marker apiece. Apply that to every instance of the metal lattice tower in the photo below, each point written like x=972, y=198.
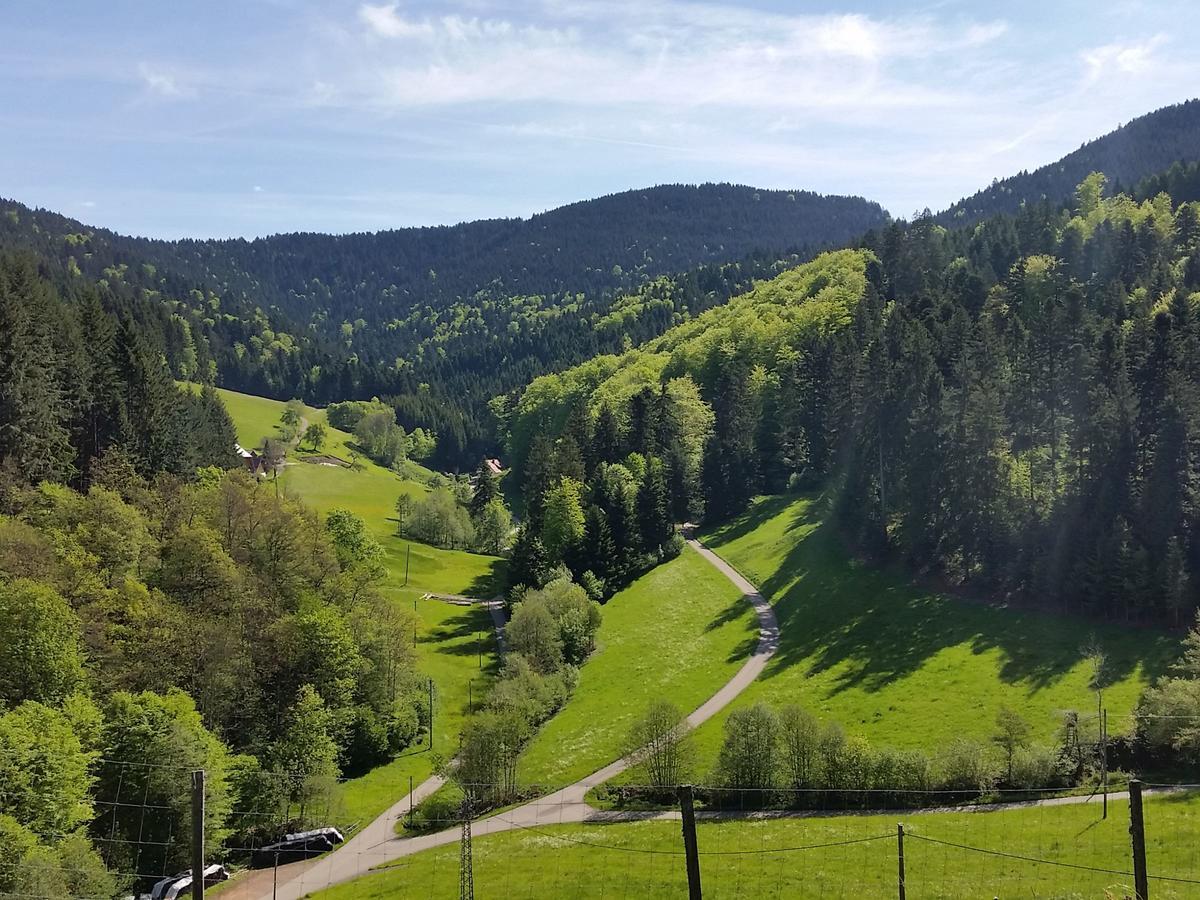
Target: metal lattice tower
x=466, y=873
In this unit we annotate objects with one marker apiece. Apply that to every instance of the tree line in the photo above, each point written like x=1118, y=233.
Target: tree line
x=1136, y=152
x=786, y=757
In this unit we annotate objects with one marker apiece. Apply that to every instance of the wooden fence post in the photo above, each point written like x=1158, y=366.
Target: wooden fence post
x=1137, y=834
x=690, y=847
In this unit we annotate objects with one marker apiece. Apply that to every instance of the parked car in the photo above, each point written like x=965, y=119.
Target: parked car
x=177, y=886
x=301, y=845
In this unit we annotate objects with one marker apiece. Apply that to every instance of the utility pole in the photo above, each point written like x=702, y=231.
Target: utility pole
x=900, y=858
x=198, y=834
x=479, y=646
x=1137, y=834
x=466, y=872
x=407, y=559
x=690, y=847
x=430, y=713
x=1104, y=758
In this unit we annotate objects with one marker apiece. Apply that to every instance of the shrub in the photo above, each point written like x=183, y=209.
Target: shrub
x=964, y=765
x=440, y=810
x=439, y=519
x=554, y=625
x=749, y=753
x=523, y=690
x=672, y=546
x=534, y=634
x=487, y=759
x=829, y=752
x=1037, y=767
x=913, y=771
x=403, y=725
x=800, y=736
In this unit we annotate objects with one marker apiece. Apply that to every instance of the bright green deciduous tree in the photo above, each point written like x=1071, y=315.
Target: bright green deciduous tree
x=40, y=658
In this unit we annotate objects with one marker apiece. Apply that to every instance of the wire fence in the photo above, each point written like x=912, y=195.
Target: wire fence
x=1048, y=846
x=630, y=842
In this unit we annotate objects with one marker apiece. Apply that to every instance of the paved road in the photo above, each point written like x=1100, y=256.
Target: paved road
x=377, y=844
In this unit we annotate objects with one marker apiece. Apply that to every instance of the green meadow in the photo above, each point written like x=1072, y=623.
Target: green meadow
x=677, y=633
x=904, y=665
x=747, y=859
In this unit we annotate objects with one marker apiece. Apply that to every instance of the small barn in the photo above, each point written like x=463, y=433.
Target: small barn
x=254, y=463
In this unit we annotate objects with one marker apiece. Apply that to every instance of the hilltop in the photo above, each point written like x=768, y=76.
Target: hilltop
x=1137, y=150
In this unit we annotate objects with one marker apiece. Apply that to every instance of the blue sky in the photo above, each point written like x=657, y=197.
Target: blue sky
x=260, y=116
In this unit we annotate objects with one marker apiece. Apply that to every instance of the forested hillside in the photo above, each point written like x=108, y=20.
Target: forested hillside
x=1137, y=150
x=1012, y=406
x=438, y=320
x=83, y=377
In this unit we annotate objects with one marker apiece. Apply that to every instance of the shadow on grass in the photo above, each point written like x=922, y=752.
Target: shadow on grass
x=740, y=526
x=873, y=626
x=463, y=634
x=736, y=610
x=491, y=583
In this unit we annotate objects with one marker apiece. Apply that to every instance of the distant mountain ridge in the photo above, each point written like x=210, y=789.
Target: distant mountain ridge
x=440, y=319
x=646, y=232
x=1141, y=148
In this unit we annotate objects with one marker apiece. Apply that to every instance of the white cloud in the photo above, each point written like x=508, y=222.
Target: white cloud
x=984, y=33
x=668, y=54
x=88, y=204
x=1122, y=59
x=385, y=20
x=258, y=189
x=159, y=81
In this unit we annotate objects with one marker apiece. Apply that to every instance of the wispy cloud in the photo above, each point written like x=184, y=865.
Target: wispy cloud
x=670, y=54
x=1122, y=58
x=520, y=104
x=385, y=20
x=159, y=81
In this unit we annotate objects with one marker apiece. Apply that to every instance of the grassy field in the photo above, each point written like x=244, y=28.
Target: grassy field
x=448, y=636
x=677, y=633
x=905, y=666
x=737, y=858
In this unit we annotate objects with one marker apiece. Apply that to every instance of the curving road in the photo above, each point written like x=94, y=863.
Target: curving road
x=377, y=843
